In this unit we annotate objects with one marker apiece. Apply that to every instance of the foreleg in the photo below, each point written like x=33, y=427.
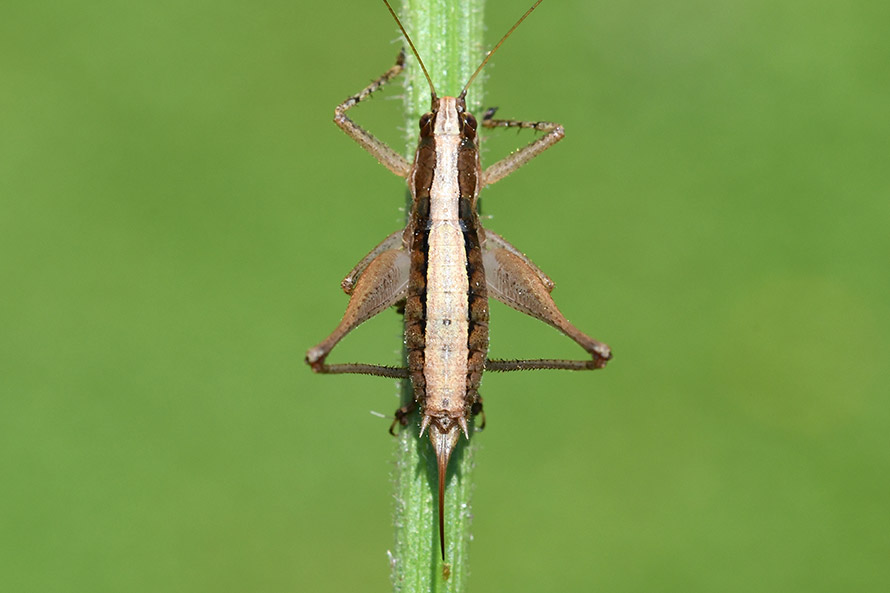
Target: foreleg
x=553, y=133
x=388, y=157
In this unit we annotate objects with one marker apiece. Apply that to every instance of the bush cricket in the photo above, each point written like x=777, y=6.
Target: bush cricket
x=443, y=267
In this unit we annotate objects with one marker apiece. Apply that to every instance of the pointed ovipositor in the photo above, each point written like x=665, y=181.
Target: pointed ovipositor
x=444, y=434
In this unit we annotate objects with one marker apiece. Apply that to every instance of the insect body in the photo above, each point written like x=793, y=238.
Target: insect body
x=444, y=267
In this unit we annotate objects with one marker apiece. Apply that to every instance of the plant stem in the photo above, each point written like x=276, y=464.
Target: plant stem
x=448, y=36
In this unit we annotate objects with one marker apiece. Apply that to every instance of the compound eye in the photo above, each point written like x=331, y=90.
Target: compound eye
x=425, y=120
x=469, y=126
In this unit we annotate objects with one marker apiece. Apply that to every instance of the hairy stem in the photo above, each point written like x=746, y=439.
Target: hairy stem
x=448, y=37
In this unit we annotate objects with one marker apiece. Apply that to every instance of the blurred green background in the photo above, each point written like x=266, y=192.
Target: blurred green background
x=177, y=210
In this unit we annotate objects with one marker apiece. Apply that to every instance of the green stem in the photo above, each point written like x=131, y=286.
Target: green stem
x=448, y=36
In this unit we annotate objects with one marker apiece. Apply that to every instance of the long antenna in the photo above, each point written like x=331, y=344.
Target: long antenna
x=414, y=49
x=463, y=93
